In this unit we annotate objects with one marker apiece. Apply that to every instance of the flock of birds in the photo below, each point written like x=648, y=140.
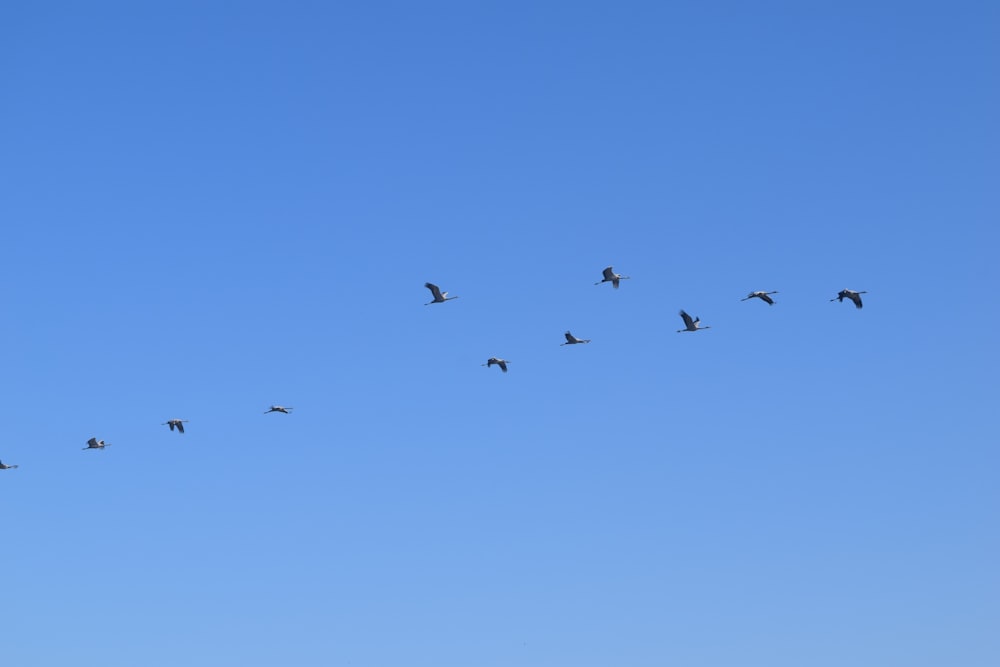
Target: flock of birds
x=690, y=324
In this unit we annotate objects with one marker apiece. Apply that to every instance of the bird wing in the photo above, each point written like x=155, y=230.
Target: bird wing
x=856, y=298
x=92, y=442
x=570, y=338
x=435, y=290
x=766, y=298
x=609, y=273
x=503, y=365
x=688, y=322
x=180, y=426
x=614, y=282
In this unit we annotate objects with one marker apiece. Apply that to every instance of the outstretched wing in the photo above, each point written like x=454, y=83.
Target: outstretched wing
x=180, y=426
x=435, y=290
x=688, y=322
x=609, y=273
x=856, y=298
x=764, y=297
x=503, y=365
x=92, y=442
x=570, y=338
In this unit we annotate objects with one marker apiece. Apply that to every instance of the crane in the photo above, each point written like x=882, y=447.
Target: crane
x=175, y=423
x=691, y=324
x=573, y=340
x=279, y=408
x=94, y=443
x=4, y=466
x=502, y=363
x=763, y=296
x=850, y=294
x=611, y=277
x=439, y=296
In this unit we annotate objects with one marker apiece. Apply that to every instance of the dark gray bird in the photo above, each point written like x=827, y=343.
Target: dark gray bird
x=279, y=408
x=573, y=340
x=850, y=294
x=4, y=466
x=611, y=277
x=94, y=443
x=502, y=363
x=439, y=296
x=763, y=296
x=691, y=325
x=175, y=423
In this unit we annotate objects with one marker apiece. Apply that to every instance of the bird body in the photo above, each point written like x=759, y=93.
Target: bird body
x=279, y=408
x=763, y=296
x=611, y=277
x=94, y=443
x=439, y=296
x=502, y=363
x=850, y=294
x=691, y=324
x=175, y=423
x=4, y=466
x=573, y=340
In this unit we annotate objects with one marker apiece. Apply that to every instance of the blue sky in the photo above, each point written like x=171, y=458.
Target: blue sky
x=212, y=207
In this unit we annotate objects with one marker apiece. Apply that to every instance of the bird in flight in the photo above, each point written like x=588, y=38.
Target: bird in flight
x=502, y=363
x=94, y=443
x=573, y=340
x=611, y=277
x=439, y=296
x=4, y=466
x=763, y=296
x=175, y=423
x=850, y=294
x=279, y=408
x=691, y=324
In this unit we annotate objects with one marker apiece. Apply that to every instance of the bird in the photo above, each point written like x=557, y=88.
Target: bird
x=279, y=408
x=4, y=466
x=611, y=277
x=94, y=443
x=573, y=340
x=439, y=296
x=502, y=363
x=763, y=296
x=850, y=294
x=175, y=423
x=691, y=325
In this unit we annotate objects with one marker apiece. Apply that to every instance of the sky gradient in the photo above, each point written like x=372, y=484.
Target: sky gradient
x=211, y=207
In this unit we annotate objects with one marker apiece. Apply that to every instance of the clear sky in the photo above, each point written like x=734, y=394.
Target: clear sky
x=210, y=207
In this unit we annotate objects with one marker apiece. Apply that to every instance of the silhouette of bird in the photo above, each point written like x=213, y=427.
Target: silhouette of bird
x=850, y=294
x=94, y=443
x=763, y=296
x=611, y=277
x=691, y=325
x=502, y=363
x=279, y=408
x=175, y=423
x=573, y=340
x=4, y=466
x=439, y=296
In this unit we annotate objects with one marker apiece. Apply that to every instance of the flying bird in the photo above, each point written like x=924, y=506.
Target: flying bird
x=763, y=296
x=502, y=363
x=691, y=325
x=175, y=423
x=611, y=277
x=850, y=294
x=573, y=340
x=439, y=296
x=4, y=466
x=94, y=443
x=279, y=408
